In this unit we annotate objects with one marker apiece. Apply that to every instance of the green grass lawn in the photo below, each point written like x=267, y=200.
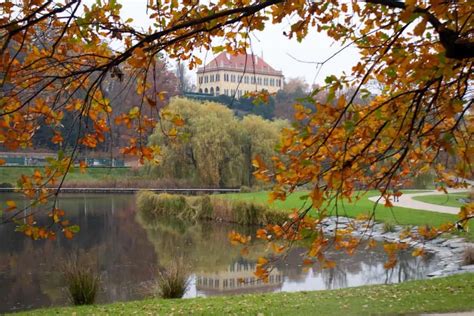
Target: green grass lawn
x=397, y=215
x=12, y=174
x=451, y=199
x=450, y=294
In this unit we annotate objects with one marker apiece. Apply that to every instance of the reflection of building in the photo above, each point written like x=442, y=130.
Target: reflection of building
x=238, y=278
x=236, y=75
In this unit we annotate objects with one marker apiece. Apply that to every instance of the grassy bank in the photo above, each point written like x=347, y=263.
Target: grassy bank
x=444, y=199
x=448, y=294
x=96, y=177
x=12, y=174
x=396, y=215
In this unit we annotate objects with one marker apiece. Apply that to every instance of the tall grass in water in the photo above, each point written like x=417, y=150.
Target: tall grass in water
x=173, y=281
x=205, y=207
x=82, y=282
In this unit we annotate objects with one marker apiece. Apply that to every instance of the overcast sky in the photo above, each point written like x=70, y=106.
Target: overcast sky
x=276, y=48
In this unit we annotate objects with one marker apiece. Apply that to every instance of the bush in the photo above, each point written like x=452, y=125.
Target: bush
x=173, y=281
x=245, y=189
x=389, y=227
x=82, y=283
x=468, y=256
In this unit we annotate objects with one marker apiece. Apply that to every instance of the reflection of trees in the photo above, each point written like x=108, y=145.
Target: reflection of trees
x=407, y=268
x=334, y=278
x=29, y=270
x=204, y=246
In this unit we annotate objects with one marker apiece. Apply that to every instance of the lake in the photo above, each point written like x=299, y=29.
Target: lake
x=127, y=248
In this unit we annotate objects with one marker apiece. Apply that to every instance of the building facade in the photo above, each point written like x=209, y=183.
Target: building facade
x=236, y=75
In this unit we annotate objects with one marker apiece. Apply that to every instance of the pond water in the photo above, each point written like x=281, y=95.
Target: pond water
x=127, y=248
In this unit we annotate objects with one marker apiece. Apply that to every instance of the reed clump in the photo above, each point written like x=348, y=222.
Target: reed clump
x=206, y=207
x=82, y=282
x=172, y=281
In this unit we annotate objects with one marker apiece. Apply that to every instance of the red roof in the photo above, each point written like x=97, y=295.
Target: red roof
x=244, y=62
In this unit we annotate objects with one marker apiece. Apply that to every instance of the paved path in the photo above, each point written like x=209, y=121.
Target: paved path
x=406, y=200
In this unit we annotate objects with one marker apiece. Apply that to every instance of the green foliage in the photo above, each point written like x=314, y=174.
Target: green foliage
x=204, y=207
x=214, y=147
x=82, y=282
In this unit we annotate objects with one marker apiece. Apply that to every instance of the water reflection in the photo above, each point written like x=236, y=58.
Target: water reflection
x=127, y=247
x=238, y=278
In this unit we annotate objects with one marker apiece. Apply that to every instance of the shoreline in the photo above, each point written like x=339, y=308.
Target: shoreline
x=130, y=190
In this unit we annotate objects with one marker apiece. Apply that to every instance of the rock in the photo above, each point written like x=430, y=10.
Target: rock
x=435, y=273
x=468, y=268
x=462, y=245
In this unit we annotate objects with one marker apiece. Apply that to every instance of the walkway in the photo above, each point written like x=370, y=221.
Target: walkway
x=406, y=200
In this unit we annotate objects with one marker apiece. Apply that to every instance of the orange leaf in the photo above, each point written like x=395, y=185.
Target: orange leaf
x=68, y=234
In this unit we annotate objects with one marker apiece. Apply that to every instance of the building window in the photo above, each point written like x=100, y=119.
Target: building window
x=232, y=78
x=259, y=81
x=226, y=91
x=253, y=80
x=218, y=91
x=232, y=93
x=206, y=79
x=212, y=90
x=226, y=77
x=265, y=81
x=200, y=80
x=206, y=91
x=200, y=90
x=211, y=79
x=218, y=77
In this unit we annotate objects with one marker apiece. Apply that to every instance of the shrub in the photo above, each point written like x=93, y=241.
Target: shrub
x=6, y=185
x=468, y=256
x=389, y=227
x=82, y=282
x=198, y=207
x=162, y=204
x=245, y=189
x=173, y=281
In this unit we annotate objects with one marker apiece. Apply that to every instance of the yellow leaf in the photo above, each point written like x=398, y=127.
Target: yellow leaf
x=11, y=205
x=262, y=261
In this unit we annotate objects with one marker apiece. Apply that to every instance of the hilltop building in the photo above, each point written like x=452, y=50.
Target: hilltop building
x=236, y=75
